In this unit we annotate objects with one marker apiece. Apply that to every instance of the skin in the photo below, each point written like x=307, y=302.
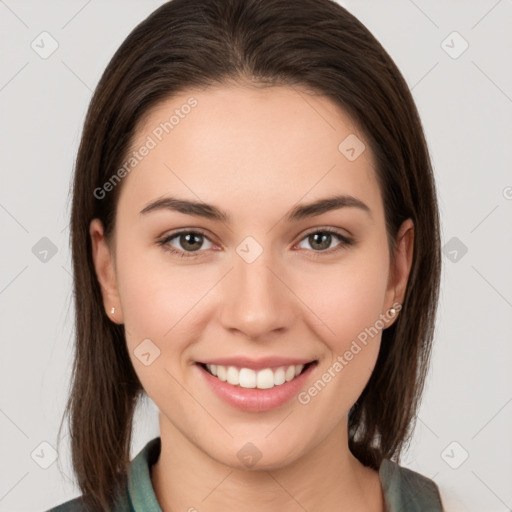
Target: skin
x=226, y=152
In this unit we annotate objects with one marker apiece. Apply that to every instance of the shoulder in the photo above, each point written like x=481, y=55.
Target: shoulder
x=138, y=492
x=405, y=489
x=77, y=505
x=74, y=505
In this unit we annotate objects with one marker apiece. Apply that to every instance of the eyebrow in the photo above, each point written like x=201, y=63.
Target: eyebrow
x=210, y=211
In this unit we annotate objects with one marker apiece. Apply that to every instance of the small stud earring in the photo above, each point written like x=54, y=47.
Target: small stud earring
x=113, y=310
x=393, y=311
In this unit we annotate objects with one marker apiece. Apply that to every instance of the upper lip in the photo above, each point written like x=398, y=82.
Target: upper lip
x=257, y=364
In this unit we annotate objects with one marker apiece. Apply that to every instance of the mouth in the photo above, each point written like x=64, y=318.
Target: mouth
x=264, y=378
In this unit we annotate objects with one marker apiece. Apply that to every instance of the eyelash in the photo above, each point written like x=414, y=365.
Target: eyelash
x=345, y=242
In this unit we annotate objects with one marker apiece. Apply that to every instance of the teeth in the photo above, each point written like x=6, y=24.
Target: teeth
x=248, y=377
x=233, y=376
x=261, y=379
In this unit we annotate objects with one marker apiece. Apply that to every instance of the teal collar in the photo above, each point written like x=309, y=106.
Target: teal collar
x=403, y=488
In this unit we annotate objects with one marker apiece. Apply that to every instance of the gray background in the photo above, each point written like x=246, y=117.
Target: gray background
x=462, y=439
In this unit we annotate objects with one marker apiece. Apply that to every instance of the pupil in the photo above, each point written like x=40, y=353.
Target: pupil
x=324, y=237
x=187, y=238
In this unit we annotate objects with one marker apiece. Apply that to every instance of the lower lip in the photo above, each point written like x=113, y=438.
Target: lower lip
x=254, y=399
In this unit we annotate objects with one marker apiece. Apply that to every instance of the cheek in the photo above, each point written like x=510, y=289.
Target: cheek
x=160, y=304
x=156, y=293
x=347, y=299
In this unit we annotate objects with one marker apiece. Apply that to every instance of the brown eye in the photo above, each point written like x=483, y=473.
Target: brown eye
x=190, y=241
x=184, y=242
x=321, y=241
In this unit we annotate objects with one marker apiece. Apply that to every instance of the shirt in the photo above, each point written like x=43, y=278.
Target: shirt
x=404, y=490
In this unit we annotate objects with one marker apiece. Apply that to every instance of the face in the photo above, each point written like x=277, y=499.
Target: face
x=269, y=285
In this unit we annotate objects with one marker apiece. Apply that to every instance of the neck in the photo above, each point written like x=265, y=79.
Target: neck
x=327, y=478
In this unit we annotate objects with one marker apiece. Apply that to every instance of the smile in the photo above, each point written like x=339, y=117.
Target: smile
x=268, y=385
x=265, y=378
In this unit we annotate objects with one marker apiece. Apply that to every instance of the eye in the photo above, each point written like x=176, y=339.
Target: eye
x=187, y=243
x=321, y=239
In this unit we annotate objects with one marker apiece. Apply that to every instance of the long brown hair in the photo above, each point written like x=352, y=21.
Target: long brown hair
x=315, y=44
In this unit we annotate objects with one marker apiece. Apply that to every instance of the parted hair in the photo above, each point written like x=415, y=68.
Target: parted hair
x=313, y=44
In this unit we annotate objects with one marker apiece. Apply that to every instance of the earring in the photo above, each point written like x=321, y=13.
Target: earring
x=113, y=310
x=392, y=311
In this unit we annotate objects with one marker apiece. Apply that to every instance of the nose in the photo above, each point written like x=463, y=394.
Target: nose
x=256, y=299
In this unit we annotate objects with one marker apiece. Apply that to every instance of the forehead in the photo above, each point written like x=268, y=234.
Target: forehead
x=240, y=145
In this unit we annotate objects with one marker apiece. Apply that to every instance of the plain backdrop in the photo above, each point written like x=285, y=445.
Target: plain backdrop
x=456, y=57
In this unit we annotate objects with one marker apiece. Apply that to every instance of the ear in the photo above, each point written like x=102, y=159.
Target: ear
x=103, y=258
x=399, y=273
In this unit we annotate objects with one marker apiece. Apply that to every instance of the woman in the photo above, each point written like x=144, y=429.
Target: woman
x=255, y=242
